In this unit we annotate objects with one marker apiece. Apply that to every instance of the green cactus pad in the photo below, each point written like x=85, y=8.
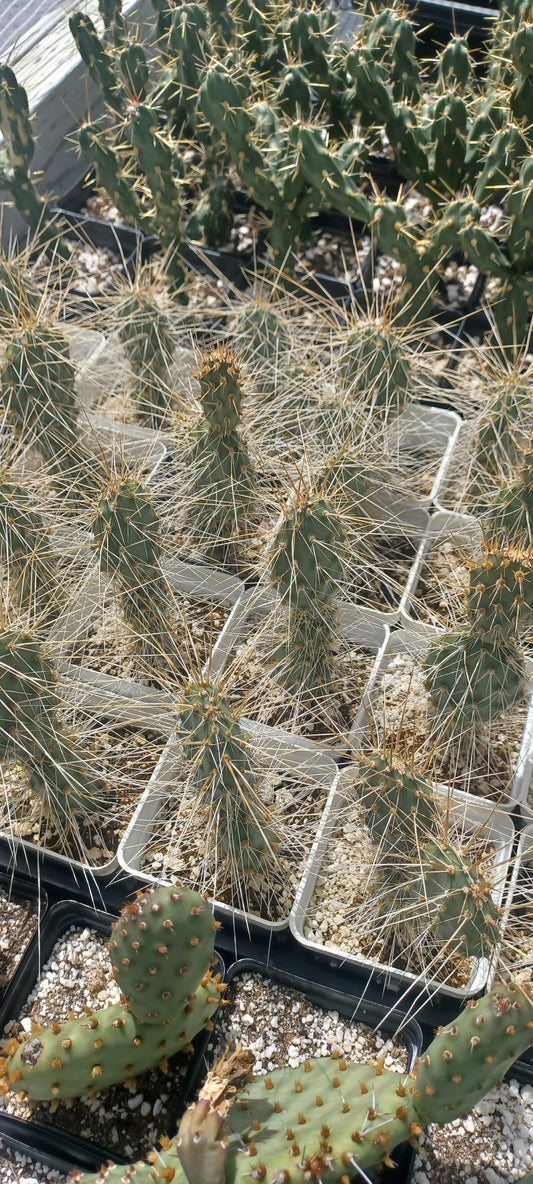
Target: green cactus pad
x=162, y=944
x=31, y=732
x=472, y=678
x=470, y=1056
x=146, y=332
x=222, y=772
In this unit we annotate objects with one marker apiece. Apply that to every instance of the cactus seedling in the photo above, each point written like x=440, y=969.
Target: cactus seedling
x=475, y=673
x=32, y=733
x=222, y=479
x=127, y=535
x=327, y=1117
x=434, y=888
x=146, y=332
x=305, y=569
x=509, y=517
x=37, y=383
x=222, y=775
x=25, y=546
x=374, y=366
x=161, y=949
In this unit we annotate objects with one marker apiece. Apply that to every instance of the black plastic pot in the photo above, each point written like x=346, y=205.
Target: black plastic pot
x=122, y=240
x=350, y=1006
x=56, y=1146
x=445, y=16
x=25, y=888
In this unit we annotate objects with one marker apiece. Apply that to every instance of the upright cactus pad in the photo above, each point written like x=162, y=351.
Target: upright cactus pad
x=327, y=1118
x=496, y=448
x=373, y=364
x=222, y=773
x=31, y=731
x=476, y=673
x=37, y=384
x=161, y=949
x=305, y=569
x=25, y=546
x=146, y=332
x=509, y=516
x=444, y=897
x=126, y=534
x=222, y=487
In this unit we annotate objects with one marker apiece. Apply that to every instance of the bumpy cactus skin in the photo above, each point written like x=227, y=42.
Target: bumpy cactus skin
x=444, y=895
x=216, y=750
x=37, y=383
x=475, y=674
x=326, y=1117
x=374, y=365
x=161, y=948
x=25, y=546
x=222, y=473
x=31, y=732
x=305, y=569
x=495, y=447
x=146, y=333
x=509, y=518
x=126, y=533
x=15, y=161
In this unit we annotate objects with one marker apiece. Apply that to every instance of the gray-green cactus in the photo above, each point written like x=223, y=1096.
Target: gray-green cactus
x=15, y=163
x=26, y=551
x=146, y=331
x=476, y=672
x=223, y=777
x=31, y=731
x=126, y=534
x=161, y=950
x=438, y=891
x=221, y=482
x=328, y=1116
x=305, y=569
x=37, y=384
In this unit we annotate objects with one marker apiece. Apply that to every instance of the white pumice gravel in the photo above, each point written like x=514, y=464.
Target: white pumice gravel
x=491, y=1145
x=16, y=1168
x=128, y=1120
x=401, y=719
x=18, y=921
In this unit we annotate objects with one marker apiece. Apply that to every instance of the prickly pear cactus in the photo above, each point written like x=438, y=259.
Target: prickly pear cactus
x=25, y=547
x=439, y=892
x=126, y=534
x=161, y=949
x=32, y=733
x=146, y=332
x=476, y=673
x=219, y=757
x=509, y=517
x=328, y=1117
x=37, y=384
x=374, y=365
x=221, y=477
x=305, y=569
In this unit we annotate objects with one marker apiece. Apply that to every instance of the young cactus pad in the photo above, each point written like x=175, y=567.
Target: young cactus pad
x=161, y=950
x=222, y=473
x=320, y=1121
x=475, y=673
x=146, y=333
x=25, y=547
x=222, y=773
x=32, y=733
x=305, y=569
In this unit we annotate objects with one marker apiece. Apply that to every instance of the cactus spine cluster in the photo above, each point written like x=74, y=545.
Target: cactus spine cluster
x=31, y=731
x=126, y=534
x=146, y=332
x=222, y=477
x=328, y=1117
x=222, y=773
x=436, y=890
x=305, y=570
x=37, y=384
x=161, y=951
x=25, y=546
x=476, y=673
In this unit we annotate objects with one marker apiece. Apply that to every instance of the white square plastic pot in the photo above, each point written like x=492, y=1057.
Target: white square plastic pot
x=472, y=816
x=270, y=743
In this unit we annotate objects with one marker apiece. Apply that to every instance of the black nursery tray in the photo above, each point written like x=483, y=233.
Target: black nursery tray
x=56, y=1146
x=444, y=16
